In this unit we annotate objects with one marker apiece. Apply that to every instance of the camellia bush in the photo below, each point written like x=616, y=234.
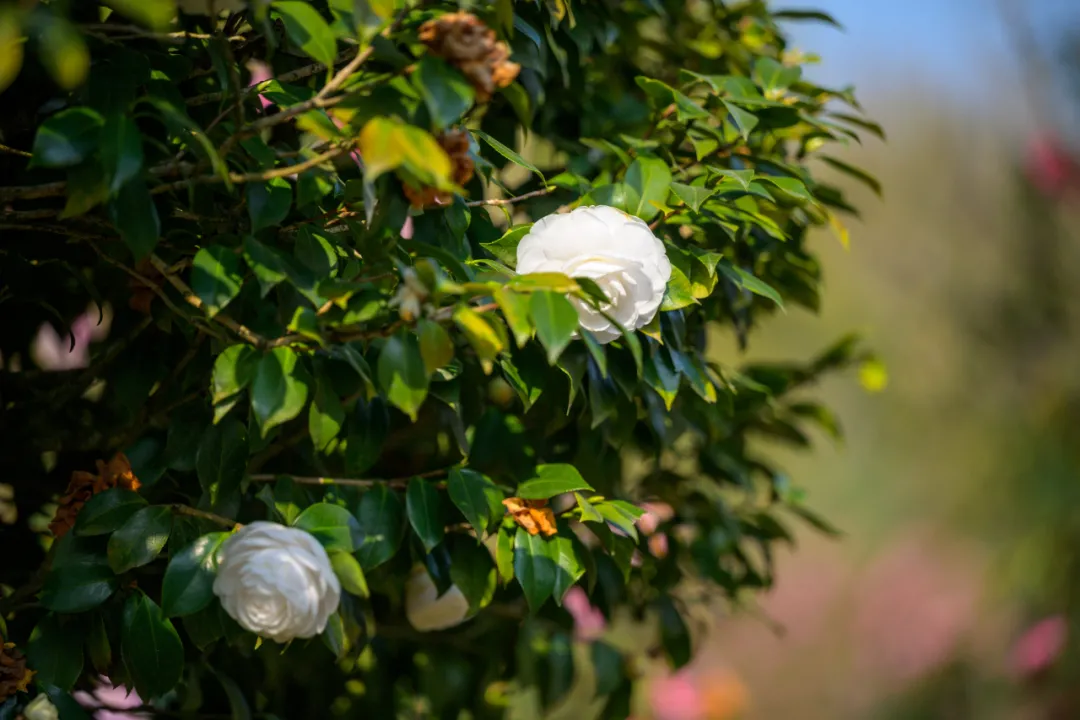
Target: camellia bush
x=344, y=341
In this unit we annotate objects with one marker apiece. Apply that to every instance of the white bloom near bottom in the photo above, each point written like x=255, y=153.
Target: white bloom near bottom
x=277, y=582
x=426, y=610
x=606, y=245
x=41, y=708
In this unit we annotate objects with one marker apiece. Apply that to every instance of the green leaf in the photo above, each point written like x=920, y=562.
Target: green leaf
x=744, y=121
x=107, y=511
x=140, y=539
x=332, y=525
x=268, y=202
x=479, y=500
x=67, y=138
x=473, y=572
x=792, y=186
x=483, y=337
x=618, y=517
x=134, y=214
x=425, y=512
x=307, y=30
x=121, y=150
x=234, y=369
x=154, y=14
x=504, y=553
x=687, y=109
x=326, y=416
x=745, y=280
x=402, y=374
x=216, y=277
x=98, y=646
x=567, y=564
x=674, y=634
x=515, y=308
x=368, y=428
x=610, y=667
x=350, y=573
x=533, y=568
x=588, y=512
x=508, y=153
x=55, y=651
x=382, y=526
x=221, y=460
x=86, y=189
x=505, y=248
x=552, y=480
x=773, y=76
x=188, y=585
x=80, y=577
x=388, y=144
x=692, y=195
x=279, y=389
x=151, y=647
x=436, y=347
x=859, y=174
x=266, y=262
x=556, y=321
x=815, y=15
x=446, y=92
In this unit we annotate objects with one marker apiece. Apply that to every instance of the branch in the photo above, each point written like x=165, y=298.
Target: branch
x=240, y=178
x=195, y=513
x=13, y=151
x=511, y=201
x=400, y=482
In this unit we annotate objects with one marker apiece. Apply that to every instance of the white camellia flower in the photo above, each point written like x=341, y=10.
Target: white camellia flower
x=426, y=610
x=617, y=250
x=41, y=708
x=277, y=582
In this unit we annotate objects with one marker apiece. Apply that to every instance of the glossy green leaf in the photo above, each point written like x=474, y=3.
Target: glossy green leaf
x=744, y=121
x=479, y=500
x=424, y=510
x=121, y=150
x=674, y=634
x=152, y=650
x=504, y=553
x=67, y=138
x=533, y=568
x=436, y=347
x=221, y=460
x=307, y=30
x=107, y=511
x=268, y=202
x=135, y=216
x=564, y=554
x=234, y=369
x=349, y=572
x=326, y=416
x=473, y=572
x=446, y=92
x=402, y=374
x=507, y=153
x=140, y=539
x=215, y=277
x=269, y=266
x=552, y=480
x=745, y=280
x=80, y=577
x=188, y=585
x=692, y=195
x=55, y=650
x=279, y=388
x=381, y=515
x=515, y=308
x=556, y=321
x=505, y=248
x=332, y=525
x=588, y=512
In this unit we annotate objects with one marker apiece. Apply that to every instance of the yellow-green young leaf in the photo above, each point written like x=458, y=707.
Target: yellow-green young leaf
x=552, y=480
x=63, y=52
x=515, y=308
x=481, y=335
x=436, y=348
x=401, y=373
x=326, y=416
x=155, y=14
x=279, y=389
x=11, y=45
x=504, y=553
x=332, y=525
x=307, y=30
x=556, y=282
x=350, y=573
x=387, y=144
x=679, y=293
x=556, y=321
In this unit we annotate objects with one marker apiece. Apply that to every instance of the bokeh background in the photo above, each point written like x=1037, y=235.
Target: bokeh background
x=955, y=591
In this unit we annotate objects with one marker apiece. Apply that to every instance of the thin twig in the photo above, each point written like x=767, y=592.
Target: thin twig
x=399, y=482
x=240, y=178
x=13, y=151
x=511, y=201
x=135, y=32
x=154, y=287
x=196, y=513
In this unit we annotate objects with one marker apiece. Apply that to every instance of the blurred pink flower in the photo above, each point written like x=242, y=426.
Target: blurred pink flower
x=355, y=154
x=407, y=228
x=1040, y=646
x=655, y=514
x=53, y=352
x=107, y=699
x=676, y=697
x=260, y=72
x=589, y=622
x=1051, y=167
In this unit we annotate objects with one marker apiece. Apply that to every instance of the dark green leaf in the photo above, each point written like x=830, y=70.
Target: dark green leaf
x=121, y=150
x=618, y=517
x=508, y=153
x=266, y=262
x=859, y=174
x=673, y=633
x=268, y=202
x=279, y=389
x=222, y=460
x=234, y=370
x=744, y=121
x=368, y=428
x=216, y=277
x=151, y=647
x=188, y=585
x=107, y=511
x=745, y=280
x=326, y=415
x=80, y=577
x=425, y=512
x=402, y=374
x=564, y=554
x=473, y=572
x=609, y=665
x=651, y=179
x=556, y=321
x=382, y=526
x=307, y=30
x=479, y=500
x=67, y=138
x=332, y=525
x=445, y=90
x=799, y=14
x=533, y=568
x=98, y=646
x=552, y=480
x=140, y=539
x=55, y=651
x=134, y=214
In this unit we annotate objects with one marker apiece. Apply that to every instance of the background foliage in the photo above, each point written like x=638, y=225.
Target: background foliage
x=300, y=332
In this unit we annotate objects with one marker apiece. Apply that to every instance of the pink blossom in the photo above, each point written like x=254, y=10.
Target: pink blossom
x=676, y=697
x=260, y=73
x=589, y=622
x=106, y=699
x=355, y=154
x=1040, y=646
x=53, y=352
x=1051, y=167
x=655, y=514
x=407, y=228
